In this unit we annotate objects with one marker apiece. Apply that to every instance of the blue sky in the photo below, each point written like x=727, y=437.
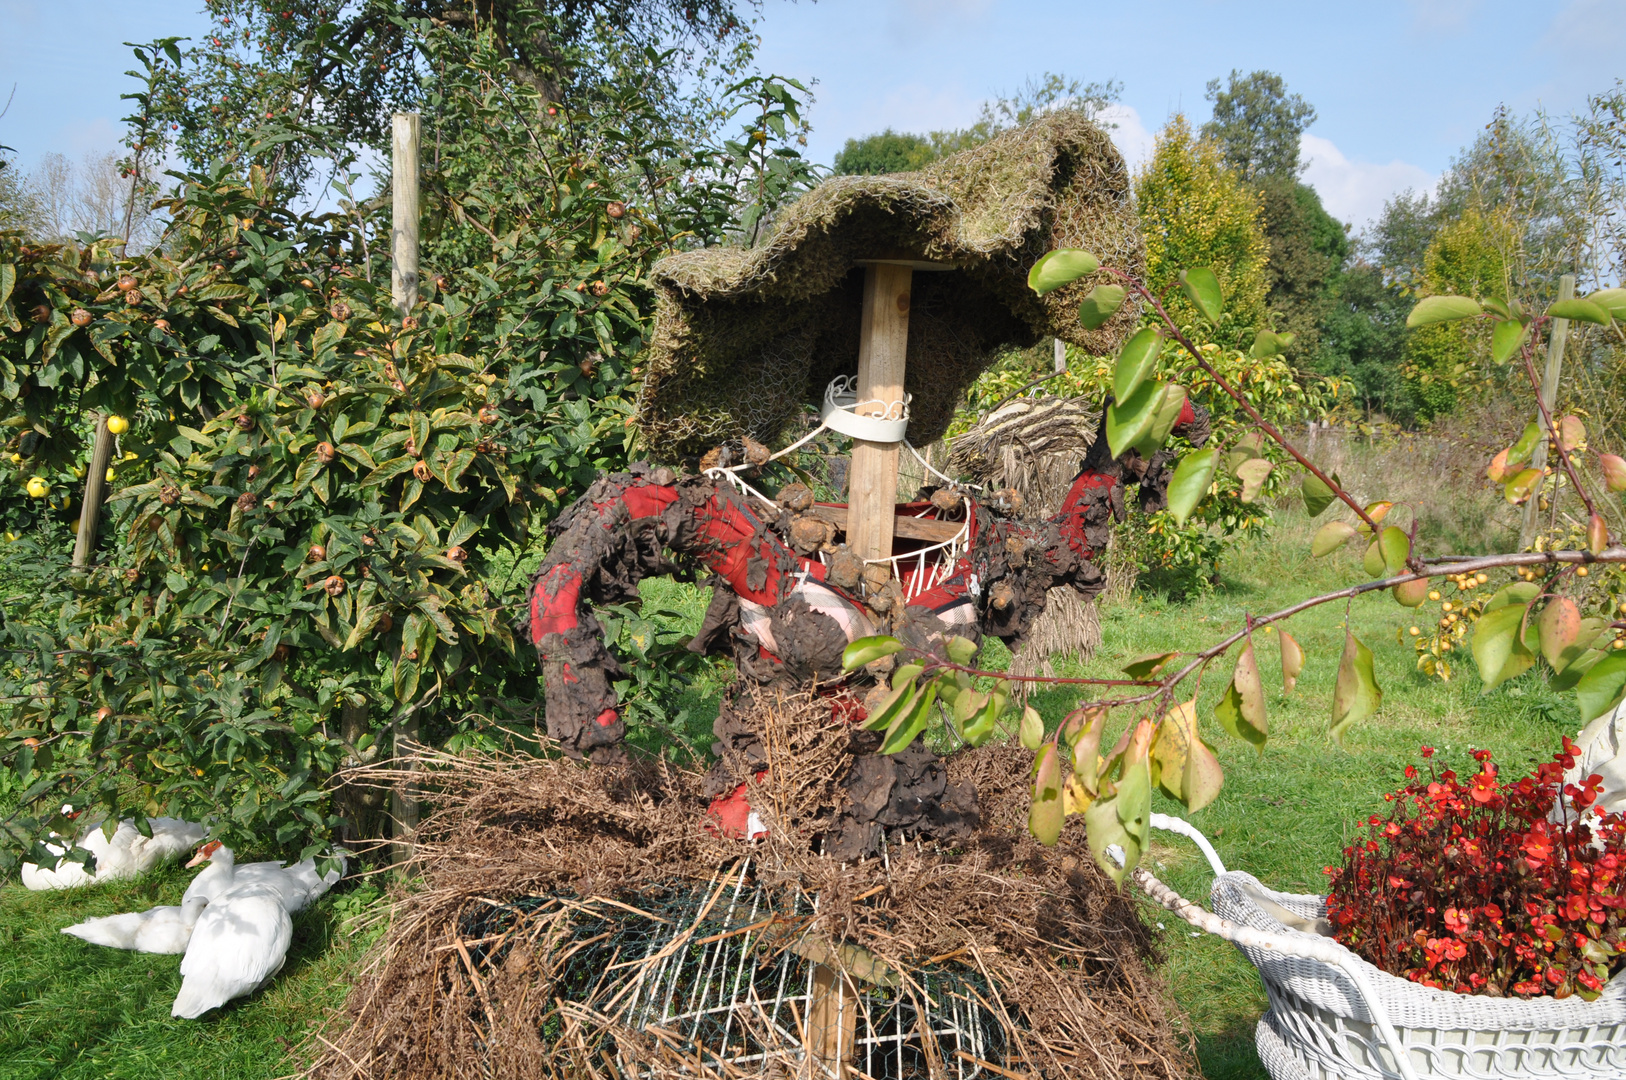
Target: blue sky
x=1400, y=85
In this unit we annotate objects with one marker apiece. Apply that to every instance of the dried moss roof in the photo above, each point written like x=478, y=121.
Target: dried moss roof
x=744, y=338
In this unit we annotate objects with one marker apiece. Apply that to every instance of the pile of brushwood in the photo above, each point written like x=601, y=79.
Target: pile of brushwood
x=597, y=922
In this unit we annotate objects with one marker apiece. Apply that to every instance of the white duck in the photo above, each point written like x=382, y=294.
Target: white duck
x=156, y=930
x=296, y=885
x=123, y=855
x=238, y=944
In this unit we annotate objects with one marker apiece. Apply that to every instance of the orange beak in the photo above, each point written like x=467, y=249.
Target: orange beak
x=204, y=853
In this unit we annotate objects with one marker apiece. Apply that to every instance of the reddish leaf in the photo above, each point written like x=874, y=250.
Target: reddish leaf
x=1559, y=626
x=1497, y=471
x=1597, y=535
x=1253, y=474
x=1519, y=488
x=1614, y=471
x=1047, y=812
x=1571, y=433
x=1242, y=710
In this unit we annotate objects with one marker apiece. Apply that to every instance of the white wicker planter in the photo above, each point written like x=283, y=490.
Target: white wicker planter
x=1333, y=1016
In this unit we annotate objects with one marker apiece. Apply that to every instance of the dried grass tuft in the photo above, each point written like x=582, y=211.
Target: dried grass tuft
x=486, y=972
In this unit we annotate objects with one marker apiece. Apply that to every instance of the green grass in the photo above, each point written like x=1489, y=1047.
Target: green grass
x=70, y=1010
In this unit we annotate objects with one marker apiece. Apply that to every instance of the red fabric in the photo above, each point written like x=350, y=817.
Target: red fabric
x=648, y=500
x=553, y=602
x=1187, y=414
x=947, y=591
x=1070, y=521
x=606, y=718
x=728, y=530
x=731, y=815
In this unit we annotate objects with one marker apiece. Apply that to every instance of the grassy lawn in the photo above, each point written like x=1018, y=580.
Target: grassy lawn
x=70, y=1010
x=73, y=1010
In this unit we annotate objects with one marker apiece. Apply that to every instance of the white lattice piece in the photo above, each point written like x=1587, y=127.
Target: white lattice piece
x=1329, y=1008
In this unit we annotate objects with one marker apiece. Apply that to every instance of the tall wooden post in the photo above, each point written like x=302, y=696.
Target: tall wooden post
x=404, y=218
x=90, y=512
x=1549, y=397
x=883, y=340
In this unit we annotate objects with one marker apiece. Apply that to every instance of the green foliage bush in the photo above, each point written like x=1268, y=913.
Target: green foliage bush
x=321, y=506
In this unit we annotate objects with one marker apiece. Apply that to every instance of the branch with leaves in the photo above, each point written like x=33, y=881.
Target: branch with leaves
x=1520, y=625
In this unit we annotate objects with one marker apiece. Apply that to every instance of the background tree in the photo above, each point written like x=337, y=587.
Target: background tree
x=1257, y=124
x=888, y=152
x=1194, y=211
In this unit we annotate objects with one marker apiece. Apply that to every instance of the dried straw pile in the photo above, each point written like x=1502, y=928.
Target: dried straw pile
x=744, y=338
x=546, y=886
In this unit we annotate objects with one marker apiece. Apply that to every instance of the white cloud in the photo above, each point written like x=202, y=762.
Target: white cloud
x=1128, y=133
x=1355, y=191
x=1428, y=15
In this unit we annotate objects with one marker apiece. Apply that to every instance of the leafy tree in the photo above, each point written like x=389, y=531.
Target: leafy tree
x=888, y=152
x=1257, y=123
x=901, y=151
x=1362, y=335
x=1194, y=211
x=320, y=505
x=1471, y=256
x=1308, y=248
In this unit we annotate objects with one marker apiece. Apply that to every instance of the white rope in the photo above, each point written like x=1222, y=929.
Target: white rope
x=941, y=476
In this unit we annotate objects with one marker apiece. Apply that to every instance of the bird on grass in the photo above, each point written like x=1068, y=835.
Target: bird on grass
x=297, y=884
x=123, y=855
x=241, y=940
x=166, y=929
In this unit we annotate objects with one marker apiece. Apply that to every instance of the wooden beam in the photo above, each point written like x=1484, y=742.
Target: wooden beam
x=90, y=511
x=883, y=338
x=909, y=528
x=404, y=214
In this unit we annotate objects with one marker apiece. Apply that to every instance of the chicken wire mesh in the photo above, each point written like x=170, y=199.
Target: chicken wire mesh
x=721, y=982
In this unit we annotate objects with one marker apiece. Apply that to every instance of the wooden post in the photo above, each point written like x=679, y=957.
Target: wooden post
x=403, y=804
x=404, y=218
x=90, y=512
x=883, y=338
x=1549, y=397
x=1061, y=355
x=832, y=1019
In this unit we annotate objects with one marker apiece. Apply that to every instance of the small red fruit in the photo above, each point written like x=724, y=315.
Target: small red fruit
x=324, y=452
x=247, y=501
x=133, y=297
x=616, y=209
x=315, y=553
x=42, y=314
x=162, y=324
x=104, y=713
x=244, y=422
x=79, y=317
x=420, y=470
x=457, y=554
x=334, y=586
x=488, y=415
x=127, y=282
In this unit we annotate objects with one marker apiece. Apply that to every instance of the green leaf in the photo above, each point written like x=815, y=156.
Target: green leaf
x=1032, y=728
x=906, y=673
x=1519, y=452
x=1085, y=727
x=1581, y=311
x=1602, y=687
x=1128, y=420
x=1103, y=829
x=1100, y=305
x=895, y=704
x=867, y=650
x=1394, y=546
x=1317, y=495
x=1498, y=646
x=1241, y=712
x=961, y=650
x=908, y=725
x=1061, y=267
x=1356, y=695
x=1047, y=812
x=1611, y=300
x=1330, y=537
x=1168, y=414
x=1253, y=474
x=1506, y=338
x=1190, y=483
x=1136, y=360
x=1203, y=290
x=1438, y=309
x=1267, y=344
x=1147, y=666
x=1134, y=797
x=1518, y=489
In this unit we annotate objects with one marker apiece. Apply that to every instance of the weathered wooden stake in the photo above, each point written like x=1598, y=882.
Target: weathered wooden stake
x=832, y=1019
x=90, y=512
x=883, y=339
x=404, y=218
x=1549, y=398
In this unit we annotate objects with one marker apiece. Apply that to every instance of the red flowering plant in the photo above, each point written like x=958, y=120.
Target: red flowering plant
x=1484, y=887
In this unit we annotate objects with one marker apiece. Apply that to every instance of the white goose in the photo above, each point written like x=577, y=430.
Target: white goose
x=297, y=885
x=238, y=944
x=157, y=930
x=123, y=855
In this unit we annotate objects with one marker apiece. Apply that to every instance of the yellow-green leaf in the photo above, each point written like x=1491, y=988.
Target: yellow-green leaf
x=1253, y=473
x=1061, y=267
x=1128, y=420
x=1292, y=661
x=1203, y=290
x=1136, y=360
x=1356, y=695
x=1330, y=537
x=1100, y=305
x=1581, y=311
x=1191, y=480
x=1438, y=309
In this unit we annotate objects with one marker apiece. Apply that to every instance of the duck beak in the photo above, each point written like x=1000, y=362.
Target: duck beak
x=197, y=859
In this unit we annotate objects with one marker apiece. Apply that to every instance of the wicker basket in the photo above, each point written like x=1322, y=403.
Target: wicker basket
x=1333, y=1016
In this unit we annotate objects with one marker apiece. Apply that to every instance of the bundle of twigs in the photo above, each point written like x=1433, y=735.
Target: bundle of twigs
x=549, y=894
